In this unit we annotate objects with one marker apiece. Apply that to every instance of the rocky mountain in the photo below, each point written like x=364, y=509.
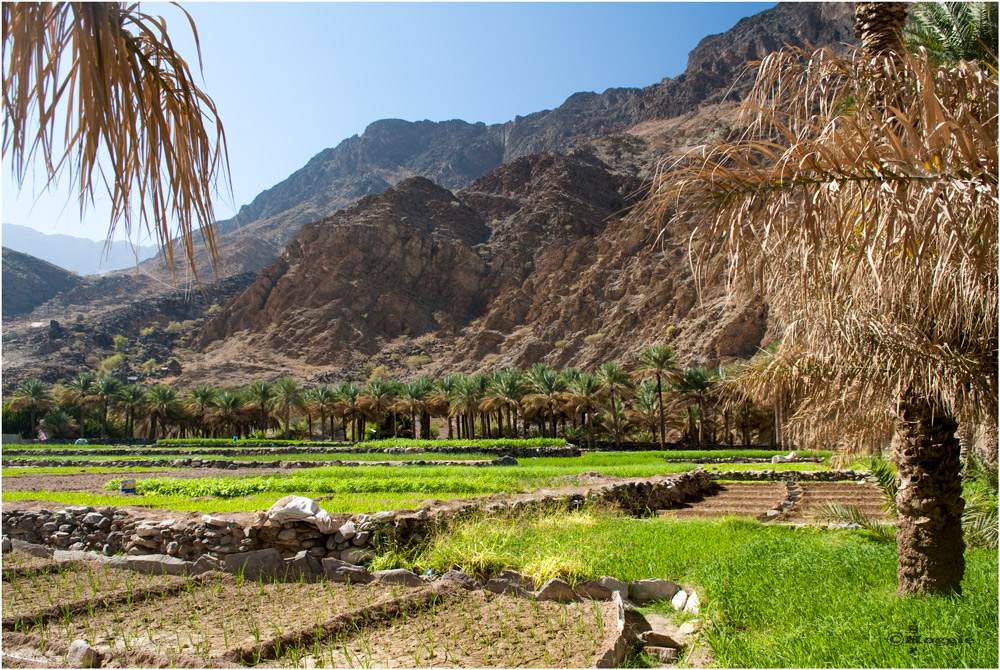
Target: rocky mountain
x=532, y=262
x=76, y=254
x=455, y=153
x=471, y=246
x=30, y=281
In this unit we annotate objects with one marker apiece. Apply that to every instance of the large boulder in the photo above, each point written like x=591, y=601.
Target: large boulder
x=646, y=590
x=254, y=565
x=558, y=590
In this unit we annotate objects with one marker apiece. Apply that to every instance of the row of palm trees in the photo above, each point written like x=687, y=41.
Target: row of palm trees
x=658, y=398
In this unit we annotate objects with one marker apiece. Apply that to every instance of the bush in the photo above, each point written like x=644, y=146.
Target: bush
x=110, y=363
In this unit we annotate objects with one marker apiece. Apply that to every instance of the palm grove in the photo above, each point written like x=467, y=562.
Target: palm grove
x=656, y=401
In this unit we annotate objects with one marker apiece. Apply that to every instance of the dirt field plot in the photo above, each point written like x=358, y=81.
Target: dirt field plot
x=61, y=584
x=208, y=617
x=220, y=620
x=17, y=561
x=815, y=495
x=733, y=498
x=478, y=630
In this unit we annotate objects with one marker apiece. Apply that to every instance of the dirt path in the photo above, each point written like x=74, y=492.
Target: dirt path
x=95, y=482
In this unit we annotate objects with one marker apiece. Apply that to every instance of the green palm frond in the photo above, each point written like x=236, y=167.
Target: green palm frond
x=979, y=521
x=980, y=472
x=886, y=479
x=849, y=514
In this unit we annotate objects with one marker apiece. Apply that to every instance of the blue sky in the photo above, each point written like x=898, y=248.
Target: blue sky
x=291, y=79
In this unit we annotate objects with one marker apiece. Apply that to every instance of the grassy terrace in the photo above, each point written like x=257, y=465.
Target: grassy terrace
x=778, y=596
x=365, y=489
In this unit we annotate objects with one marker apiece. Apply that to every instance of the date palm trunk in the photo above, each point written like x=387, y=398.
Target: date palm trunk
x=929, y=530
x=663, y=420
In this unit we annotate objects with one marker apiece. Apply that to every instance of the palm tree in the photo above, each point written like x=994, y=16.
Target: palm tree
x=202, y=397
x=230, y=412
x=412, y=401
x=547, y=386
x=467, y=394
x=585, y=398
x=376, y=401
x=33, y=394
x=324, y=399
x=261, y=394
x=132, y=400
x=80, y=390
x=616, y=384
x=349, y=410
x=164, y=407
x=58, y=424
x=288, y=394
x=439, y=401
x=643, y=414
x=697, y=385
x=659, y=360
x=954, y=31
x=507, y=388
x=866, y=216
x=108, y=74
x=106, y=390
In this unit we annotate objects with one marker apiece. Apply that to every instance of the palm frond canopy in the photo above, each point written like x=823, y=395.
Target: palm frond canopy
x=97, y=90
x=866, y=218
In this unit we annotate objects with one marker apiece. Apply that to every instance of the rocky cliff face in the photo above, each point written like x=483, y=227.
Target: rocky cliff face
x=532, y=262
x=30, y=281
x=402, y=263
x=455, y=153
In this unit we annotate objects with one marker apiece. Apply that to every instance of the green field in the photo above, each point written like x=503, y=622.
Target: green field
x=778, y=596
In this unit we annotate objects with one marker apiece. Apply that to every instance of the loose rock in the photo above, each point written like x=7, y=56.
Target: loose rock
x=557, y=590
x=82, y=655
x=646, y=590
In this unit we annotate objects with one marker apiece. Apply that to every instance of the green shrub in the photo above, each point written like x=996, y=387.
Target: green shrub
x=110, y=363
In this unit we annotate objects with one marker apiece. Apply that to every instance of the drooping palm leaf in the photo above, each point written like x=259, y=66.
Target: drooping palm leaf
x=97, y=90
x=870, y=228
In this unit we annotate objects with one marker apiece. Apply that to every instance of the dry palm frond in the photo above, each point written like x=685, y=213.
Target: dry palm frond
x=866, y=216
x=851, y=515
x=97, y=89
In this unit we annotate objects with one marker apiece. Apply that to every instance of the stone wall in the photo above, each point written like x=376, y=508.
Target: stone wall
x=111, y=530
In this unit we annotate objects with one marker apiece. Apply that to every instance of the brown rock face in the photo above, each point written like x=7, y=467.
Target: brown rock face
x=532, y=262
x=397, y=264
x=30, y=281
x=455, y=153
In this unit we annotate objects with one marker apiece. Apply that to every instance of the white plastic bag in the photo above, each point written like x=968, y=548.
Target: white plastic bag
x=299, y=508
